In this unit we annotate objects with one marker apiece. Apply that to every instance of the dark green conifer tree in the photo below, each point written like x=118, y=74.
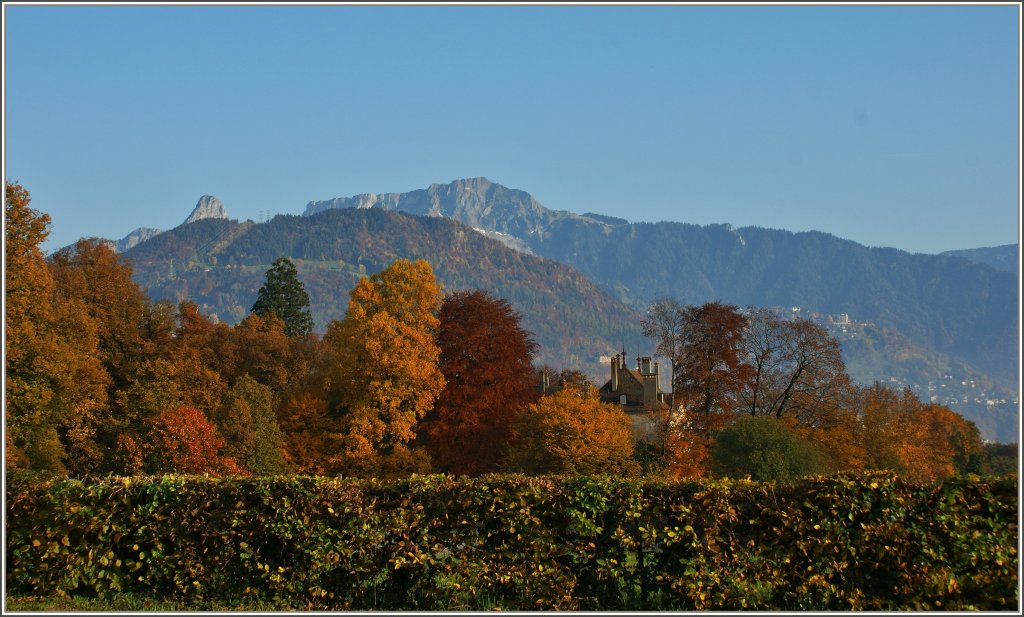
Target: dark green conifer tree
x=284, y=295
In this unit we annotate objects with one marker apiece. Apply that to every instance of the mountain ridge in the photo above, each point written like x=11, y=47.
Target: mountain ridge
x=1004, y=257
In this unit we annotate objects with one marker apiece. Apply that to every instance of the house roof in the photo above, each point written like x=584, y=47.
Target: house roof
x=635, y=375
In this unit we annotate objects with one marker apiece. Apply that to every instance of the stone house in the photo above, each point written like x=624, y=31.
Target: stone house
x=638, y=392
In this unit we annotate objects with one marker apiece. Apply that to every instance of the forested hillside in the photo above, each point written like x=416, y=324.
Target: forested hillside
x=220, y=265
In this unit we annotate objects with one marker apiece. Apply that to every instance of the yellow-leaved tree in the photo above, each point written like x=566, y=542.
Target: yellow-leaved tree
x=31, y=424
x=55, y=382
x=573, y=432
x=383, y=374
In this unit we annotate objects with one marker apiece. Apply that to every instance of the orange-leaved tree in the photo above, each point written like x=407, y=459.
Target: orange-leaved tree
x=101, y=280
x=266, y=352
x=925, y=442
x=383, y=375
x=572, y=432
x=486, y=359
x=183, y=440
x=56, y=384
x=29, y=392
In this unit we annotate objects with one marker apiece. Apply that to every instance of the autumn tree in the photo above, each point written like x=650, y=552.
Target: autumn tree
x=91, y=273
x=246, y=420
x=838, y=435
x=203, y=355
x=283, y=294
x=572, y=432
x=922, y=441
x=796, y=369
x=711, y=372
x=81, y=387
x=486, y=361
x=183, y=440
x=383, y=375
x=264, y=351
x=313, y=431
x=56, y=385
x=962, y=436
x=31, y=422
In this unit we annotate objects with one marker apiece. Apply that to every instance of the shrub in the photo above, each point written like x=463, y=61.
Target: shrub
x=765, y=449
x=850, y=542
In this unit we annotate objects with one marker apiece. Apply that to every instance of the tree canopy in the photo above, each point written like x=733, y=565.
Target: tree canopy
x=284, y=296
x=486, y=359
x=765, y=449
x=383, y=367
x=573, y=432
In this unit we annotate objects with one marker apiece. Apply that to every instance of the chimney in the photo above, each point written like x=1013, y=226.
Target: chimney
x=657, y=381
x=650, y=391
x=645, y=366
x=615, y=373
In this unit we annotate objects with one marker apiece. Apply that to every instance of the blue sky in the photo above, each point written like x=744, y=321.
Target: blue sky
x=887, y=125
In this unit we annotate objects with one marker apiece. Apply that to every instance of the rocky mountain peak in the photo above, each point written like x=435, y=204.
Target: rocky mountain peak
x=135, y=238
x=509, y=215
x=208, y=207
x=476, y=185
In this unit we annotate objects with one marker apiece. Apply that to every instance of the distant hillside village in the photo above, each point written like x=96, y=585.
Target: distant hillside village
x=958, y=391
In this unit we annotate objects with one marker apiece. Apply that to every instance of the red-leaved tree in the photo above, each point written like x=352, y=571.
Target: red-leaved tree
x=486, y=359
x=712, y=371
x=183, y=440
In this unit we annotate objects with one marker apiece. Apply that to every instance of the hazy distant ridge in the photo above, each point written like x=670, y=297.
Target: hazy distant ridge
x=1003, y=258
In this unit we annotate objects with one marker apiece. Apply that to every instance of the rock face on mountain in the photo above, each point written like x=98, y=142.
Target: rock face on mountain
x=208, y=207
x=135, y=238
x=510, y=216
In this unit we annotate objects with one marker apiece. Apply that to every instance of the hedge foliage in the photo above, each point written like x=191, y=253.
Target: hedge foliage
x=861, y=542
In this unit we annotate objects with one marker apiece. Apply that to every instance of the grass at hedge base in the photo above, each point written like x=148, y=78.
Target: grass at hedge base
x=852, y=541
x=124, y=602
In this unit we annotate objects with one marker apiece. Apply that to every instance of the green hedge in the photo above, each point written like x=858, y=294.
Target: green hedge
x=862, y=542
